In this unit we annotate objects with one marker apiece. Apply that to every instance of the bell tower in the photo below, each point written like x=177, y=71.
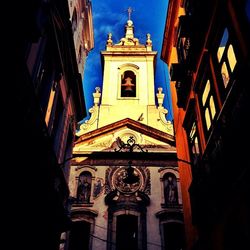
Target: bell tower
x=128, y=89
x=128, y=77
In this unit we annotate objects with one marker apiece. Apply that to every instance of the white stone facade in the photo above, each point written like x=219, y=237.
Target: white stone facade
x=124, y=180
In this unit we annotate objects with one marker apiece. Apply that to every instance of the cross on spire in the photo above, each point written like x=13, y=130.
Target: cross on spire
x=130, y=10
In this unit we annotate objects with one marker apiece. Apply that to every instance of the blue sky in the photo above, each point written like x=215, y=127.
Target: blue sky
x=111, y=16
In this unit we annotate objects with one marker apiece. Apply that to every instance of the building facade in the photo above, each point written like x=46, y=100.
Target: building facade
x=206, y=46
x=83, y=32
x=47, y=97
x=124, y=180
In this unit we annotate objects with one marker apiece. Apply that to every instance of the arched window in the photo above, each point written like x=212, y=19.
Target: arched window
x=128, y=84
x=170, y=189
x=84, y=187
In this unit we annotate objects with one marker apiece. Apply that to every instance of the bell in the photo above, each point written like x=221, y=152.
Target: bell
x=128, y=84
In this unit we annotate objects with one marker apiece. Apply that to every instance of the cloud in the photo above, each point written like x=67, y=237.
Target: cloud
x=108, y=22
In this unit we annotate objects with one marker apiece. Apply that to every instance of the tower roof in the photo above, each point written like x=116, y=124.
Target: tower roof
x=129, y=40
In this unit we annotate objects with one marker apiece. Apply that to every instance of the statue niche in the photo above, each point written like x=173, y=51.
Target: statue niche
x=84, y=187
x=170, y=189
x=128, y=84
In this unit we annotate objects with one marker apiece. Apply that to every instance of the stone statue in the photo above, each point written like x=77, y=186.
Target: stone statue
x=170, y=191
x=84, y=191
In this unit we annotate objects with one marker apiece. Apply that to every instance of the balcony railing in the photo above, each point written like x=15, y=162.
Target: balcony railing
x=183, y=78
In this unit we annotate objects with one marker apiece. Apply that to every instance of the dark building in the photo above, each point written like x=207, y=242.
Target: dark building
x=206, y=46
x=45, y=103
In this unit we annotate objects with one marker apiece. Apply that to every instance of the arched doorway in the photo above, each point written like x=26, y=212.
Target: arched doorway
x=127, y=199
x=127, y=232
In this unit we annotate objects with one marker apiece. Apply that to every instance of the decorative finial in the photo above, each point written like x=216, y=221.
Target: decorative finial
x=160, y=96
x=149, y=41
x=130, y=10
x=97, y=95
x=97, y=89
x=160, y=90
x=109, y=41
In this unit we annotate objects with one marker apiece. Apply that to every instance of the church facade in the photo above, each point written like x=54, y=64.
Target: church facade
x=124, y=180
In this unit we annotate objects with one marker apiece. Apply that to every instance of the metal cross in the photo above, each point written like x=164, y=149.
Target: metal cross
x=130, y=10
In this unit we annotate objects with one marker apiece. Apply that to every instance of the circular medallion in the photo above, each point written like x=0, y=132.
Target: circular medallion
x=127, y=182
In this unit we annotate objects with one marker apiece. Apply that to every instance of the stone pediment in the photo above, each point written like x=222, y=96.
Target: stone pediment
x=111, y=137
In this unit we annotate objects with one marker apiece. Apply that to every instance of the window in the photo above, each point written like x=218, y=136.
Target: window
x=84, y=187
x=44, y=81
x=190, y=126
x=183, y=47
x=226, y=58
x=208, y=107
x=194, y=143
x=128, y=84
x=183, y=37
x=56, y=118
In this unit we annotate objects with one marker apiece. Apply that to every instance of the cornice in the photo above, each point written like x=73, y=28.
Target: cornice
x=129, y=123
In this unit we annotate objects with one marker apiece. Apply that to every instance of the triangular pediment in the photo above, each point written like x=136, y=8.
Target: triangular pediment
x=111, y=137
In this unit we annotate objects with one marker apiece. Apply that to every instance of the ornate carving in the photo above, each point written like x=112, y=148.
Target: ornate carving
x=129, y=41
x=94, y=115
x=106, y=144
x=98, y=187
x=119, y=180
x=162, y=115
x=86, y=166
x=168, y=167
x=147, y=189
x=130, y=146
x=107, y=186
x=115, y=179
x=93, y=111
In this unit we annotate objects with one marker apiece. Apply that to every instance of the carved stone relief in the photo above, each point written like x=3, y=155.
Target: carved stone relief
x=116, y=179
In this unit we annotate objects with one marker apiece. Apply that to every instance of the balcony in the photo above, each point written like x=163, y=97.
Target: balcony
x=185, y=25
x=183, y=79
x=177, y=71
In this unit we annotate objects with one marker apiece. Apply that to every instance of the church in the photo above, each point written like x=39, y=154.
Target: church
x=124, y=179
